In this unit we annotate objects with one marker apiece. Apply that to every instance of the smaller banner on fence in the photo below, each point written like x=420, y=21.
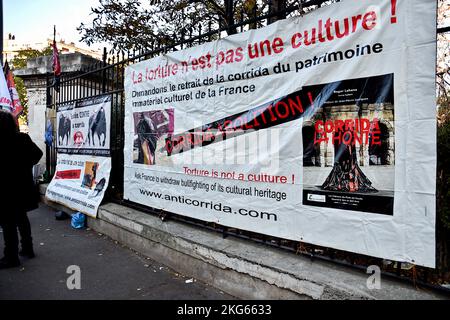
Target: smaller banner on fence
x=84, y=154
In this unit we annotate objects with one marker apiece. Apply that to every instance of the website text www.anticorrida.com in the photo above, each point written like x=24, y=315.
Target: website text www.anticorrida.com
x=216, y=206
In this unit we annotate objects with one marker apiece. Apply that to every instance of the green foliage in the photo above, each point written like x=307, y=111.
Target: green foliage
x=20, y=62
x=136, y=24
x=124, y=24
x=443, y=166
x=21, y=90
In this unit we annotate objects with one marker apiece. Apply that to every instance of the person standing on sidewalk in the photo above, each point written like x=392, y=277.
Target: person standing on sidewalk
x=17, y=191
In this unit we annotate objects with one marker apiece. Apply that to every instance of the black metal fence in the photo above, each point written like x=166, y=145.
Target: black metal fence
x=107, y=77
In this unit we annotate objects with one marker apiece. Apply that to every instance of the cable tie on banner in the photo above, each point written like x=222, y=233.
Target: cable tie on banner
x=300, y=8
x=164, y=58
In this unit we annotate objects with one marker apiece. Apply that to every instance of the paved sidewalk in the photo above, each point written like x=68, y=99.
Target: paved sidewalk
x=108, y=269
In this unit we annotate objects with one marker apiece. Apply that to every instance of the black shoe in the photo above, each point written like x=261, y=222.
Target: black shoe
x=9, y=263
x=27, y=253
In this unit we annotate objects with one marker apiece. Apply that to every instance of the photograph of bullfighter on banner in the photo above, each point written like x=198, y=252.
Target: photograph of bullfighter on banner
x=150, y=129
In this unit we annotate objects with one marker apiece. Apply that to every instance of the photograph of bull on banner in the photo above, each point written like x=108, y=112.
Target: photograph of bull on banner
x=83, y=128
x=84, y=154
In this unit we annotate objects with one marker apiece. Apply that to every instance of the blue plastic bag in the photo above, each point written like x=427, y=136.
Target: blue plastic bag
x=78, y=221
x=49, y=133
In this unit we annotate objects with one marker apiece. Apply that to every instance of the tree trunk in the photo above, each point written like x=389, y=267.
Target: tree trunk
x=277, y=6
x=229, y=17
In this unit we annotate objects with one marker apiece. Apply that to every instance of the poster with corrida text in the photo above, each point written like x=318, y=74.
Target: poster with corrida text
x=318, y=129
x=83, y=154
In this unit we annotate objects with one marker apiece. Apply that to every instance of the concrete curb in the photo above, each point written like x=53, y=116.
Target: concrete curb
x=241, y=268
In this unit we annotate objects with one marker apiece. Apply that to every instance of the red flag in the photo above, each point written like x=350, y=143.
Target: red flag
x=17, y=107
x=56, y=63
x=56, y=66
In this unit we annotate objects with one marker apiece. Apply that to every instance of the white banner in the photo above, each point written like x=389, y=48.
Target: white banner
x=319, y=129
x=83, y=146
x=83, y=127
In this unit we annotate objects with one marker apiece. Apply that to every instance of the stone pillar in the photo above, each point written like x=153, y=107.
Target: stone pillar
x=37, y=99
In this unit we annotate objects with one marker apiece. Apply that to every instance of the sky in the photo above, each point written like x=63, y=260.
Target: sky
x=32, y=20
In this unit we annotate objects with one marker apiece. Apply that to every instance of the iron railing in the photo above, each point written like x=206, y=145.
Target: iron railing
x=107, y=77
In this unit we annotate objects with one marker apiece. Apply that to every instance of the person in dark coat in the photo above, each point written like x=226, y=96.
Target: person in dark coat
x=18, y=193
